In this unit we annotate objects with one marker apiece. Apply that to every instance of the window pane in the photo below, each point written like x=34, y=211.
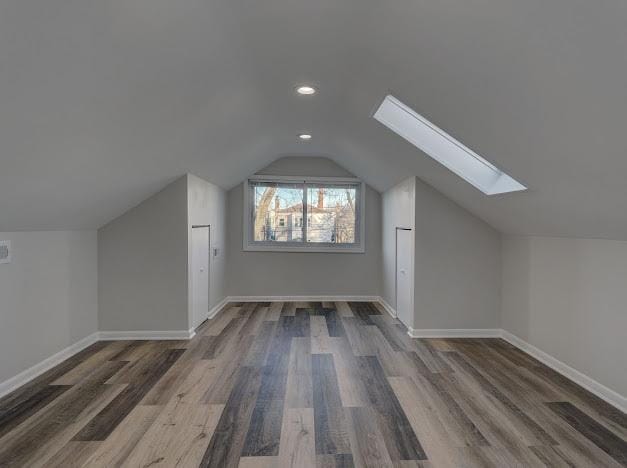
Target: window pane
x=331, y=213
x=277, y=212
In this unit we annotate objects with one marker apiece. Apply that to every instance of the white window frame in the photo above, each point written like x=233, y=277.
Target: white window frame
x=256, y=246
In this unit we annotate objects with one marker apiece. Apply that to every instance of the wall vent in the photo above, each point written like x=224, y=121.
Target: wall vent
x=5, y=251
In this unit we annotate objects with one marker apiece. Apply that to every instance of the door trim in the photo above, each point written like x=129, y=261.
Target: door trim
x=190, y=275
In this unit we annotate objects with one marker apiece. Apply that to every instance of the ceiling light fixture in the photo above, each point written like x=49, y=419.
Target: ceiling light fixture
x=304, y=136
x=444, y=148
x=306, y=90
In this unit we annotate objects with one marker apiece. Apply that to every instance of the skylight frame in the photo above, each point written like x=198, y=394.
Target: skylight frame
x=445, y=149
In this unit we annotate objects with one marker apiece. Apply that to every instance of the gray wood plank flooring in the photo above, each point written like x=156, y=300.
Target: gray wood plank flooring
x=307, y=385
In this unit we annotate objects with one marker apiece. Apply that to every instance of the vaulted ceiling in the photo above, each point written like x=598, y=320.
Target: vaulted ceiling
x=103, y=102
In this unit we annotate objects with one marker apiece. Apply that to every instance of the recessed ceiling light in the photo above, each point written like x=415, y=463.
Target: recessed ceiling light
x=444, y=148
x=306, y=90
x=304, y=136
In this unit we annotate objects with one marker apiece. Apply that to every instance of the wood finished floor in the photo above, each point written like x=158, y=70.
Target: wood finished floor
x=303, y=385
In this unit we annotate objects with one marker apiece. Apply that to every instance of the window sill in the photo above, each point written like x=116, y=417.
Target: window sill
x=270, y=248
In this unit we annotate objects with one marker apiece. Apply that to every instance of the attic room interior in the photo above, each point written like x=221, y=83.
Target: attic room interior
x=313, y=234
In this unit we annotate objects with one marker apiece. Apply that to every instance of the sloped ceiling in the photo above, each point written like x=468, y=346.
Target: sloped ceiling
x=104, y=102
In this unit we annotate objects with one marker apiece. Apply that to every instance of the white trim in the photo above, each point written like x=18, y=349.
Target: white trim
x=218, y=307
x=610, y=396
x=291, y=248
x=442, y=147
x=412, y=283
x=454, y=332
x=598, y=389
x=303, y=247
x=388, y=308
x=190, y=282
x=29, y=374
x=283, y=178
x=147, y=335
x=32, y=372
x=302, y=298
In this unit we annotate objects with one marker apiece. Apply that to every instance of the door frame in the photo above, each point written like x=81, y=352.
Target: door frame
x=412, y=283
x=209, y=268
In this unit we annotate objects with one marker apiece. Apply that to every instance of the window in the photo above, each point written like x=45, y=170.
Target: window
x=292, y=214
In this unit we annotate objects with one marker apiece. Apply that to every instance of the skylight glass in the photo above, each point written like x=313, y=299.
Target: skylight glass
x=444, y=148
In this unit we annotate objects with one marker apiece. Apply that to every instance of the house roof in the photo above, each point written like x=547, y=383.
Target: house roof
x=103, y=103
x=298, y=208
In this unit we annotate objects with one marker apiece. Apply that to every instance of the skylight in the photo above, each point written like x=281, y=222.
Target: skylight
x=444, y=148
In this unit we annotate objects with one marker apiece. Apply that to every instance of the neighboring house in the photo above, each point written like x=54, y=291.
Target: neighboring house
x=330, y=225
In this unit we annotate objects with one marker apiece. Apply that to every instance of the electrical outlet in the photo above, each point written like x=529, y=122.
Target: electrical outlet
x=5, y=251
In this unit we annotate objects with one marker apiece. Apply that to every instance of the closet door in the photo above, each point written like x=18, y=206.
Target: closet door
x=200, y=274
x=404, y=276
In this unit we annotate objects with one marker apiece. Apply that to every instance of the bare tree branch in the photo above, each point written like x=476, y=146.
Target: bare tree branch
x=262, y=210
x=350, y=200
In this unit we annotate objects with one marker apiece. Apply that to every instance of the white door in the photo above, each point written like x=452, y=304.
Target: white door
x=404, y=276
x=200, y=274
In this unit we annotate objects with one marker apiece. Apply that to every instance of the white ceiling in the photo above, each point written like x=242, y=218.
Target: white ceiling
x=102, y=102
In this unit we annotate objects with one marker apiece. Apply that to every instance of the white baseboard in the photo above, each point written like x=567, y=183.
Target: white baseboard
x=302, y=298
x=29, y=374
x=218, y=307
x=443, y=332
x=390, y=310
x=600, y=390
x=454, y=333
x=147, y=335
x=608, y=395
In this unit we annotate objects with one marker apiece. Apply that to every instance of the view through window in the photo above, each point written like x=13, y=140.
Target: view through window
x=305, y=213
x=278, y=212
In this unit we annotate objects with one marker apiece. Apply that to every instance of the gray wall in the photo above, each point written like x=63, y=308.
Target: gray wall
x=207, y=206
x=296, y=273
x=398, y=211
x=142, y=265
x=310, y=166
x=457, y=265
x=49, y=296
x=567, y=297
